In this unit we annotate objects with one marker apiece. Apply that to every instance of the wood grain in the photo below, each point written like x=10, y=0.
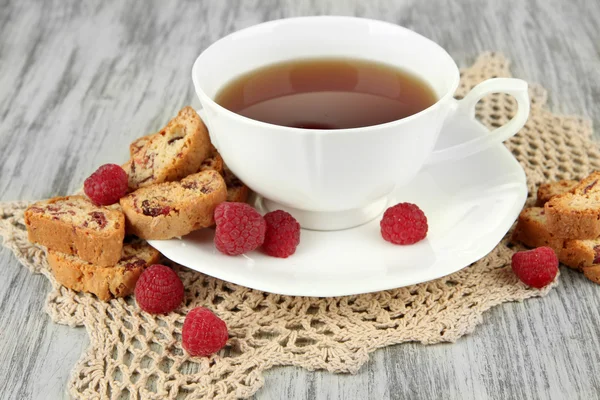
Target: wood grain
x=79, y=80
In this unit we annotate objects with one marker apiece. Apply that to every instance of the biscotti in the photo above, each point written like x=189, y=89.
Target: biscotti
x=576, y=214
x=532, y=230
x=172, y=209
x=213, y=162
x=580, y=254
x=105, y=282
x=593, y=273
x=546, y=191
x=139, y=143
x=75, y=226
x=236, y=190
x=173, y=153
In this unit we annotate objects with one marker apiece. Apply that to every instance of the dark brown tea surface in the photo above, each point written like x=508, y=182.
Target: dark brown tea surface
x=327, y=94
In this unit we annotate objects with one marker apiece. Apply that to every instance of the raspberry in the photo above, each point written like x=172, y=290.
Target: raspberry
x=404, y=223
x=203, y=333
x=282, y=235
x=107, y=185
x=240, y=228
x=537, y=267
x=159, y=290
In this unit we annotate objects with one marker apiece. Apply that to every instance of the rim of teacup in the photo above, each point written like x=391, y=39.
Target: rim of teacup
x=206, y=98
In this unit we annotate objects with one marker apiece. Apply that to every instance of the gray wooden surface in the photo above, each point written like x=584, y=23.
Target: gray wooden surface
x=79, y=80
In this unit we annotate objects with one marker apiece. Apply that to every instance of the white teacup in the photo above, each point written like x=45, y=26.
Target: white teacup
x=336, y=179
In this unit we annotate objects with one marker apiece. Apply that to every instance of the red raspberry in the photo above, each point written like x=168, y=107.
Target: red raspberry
x=240, y=228
x=159, y=290
x=283, y=234
x=107, y=185
x=404, y=223
x=203, y=333
x=537, y=267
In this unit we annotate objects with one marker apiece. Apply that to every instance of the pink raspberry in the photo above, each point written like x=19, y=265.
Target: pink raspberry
x=159, y=290
x=240, y=228
x=537, y=267
x=203, y=333
x=282, y=235
x=107, y=185
x=404, y=223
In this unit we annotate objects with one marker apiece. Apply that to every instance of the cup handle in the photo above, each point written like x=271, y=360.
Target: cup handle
x=515, y=87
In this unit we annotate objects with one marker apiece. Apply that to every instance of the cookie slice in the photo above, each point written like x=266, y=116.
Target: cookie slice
x=172, y=209
x=581, y=254
x=139, y=144
x=576, y=214
x=533, y=231
x=592, y=273
x=213, y=162
x=105, y=282
x=237, y=191
x=173, y=153
x=546, y=191
x=76, y=226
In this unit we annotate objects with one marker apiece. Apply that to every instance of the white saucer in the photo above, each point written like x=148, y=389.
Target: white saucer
x=470, y=205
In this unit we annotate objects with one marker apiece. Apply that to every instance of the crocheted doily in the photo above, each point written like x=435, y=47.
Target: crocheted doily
x=135, y=355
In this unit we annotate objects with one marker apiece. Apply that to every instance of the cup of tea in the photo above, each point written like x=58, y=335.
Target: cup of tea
x=324, y=116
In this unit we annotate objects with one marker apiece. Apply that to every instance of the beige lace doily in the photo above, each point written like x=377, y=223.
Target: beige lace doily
x=136, y=355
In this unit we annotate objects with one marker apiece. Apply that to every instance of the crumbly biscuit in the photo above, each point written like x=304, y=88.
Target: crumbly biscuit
x=139, y=144
x=173, y=153
x=171, y=209
x=546, y=191
x=592, y=273
x=580, y=254
x=74, y=225
x=576, y=214
x=533, y=231
x=105, y=282
x=213, y=162
x=237, y=191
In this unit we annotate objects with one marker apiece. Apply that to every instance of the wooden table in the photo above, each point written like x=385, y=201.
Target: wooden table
x=79, y=80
